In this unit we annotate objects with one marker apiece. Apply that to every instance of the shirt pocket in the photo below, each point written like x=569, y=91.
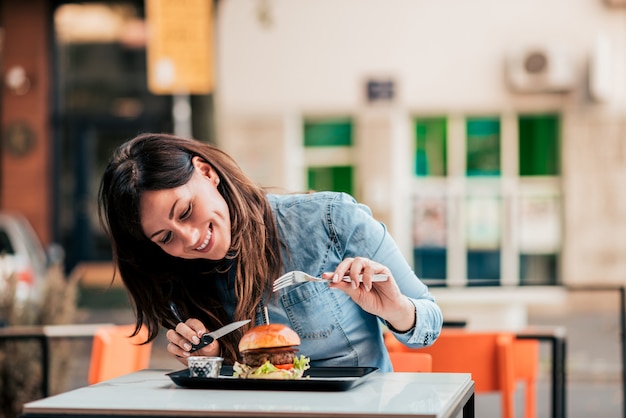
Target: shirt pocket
x=314, y=313
x=311, y=309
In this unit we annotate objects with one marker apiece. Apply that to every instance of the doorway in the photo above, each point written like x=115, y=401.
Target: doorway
x=101, y=100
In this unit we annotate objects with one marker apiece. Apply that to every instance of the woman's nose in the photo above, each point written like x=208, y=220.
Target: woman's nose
x=190, y=235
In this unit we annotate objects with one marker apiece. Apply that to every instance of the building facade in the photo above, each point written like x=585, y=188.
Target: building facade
x=488, y=136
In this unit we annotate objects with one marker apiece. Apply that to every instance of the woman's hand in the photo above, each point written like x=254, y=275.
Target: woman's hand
x=186, y=334
x=382, y=299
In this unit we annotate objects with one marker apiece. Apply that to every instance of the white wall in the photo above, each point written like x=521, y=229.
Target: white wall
x=445, y=54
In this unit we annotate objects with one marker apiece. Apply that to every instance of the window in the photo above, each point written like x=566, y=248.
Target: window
x=336, y=178
x=483, y=224
x=5, y=244
x=483, y=239
x=539, y=152
x=328, y=144
x=430, y=147
x=328, y=133
x=539, y=237
x=430, y=211
x=429, y=237
x=539, y=210
x=483, y=147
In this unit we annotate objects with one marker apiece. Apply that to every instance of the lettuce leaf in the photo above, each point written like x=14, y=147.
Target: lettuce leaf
x=301, y=363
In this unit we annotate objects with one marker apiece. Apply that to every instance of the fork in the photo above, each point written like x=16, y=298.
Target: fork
x=294, y=277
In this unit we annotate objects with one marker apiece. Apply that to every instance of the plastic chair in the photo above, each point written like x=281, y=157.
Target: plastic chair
x=404, y=361
x=115, y=353
x=526, y=359
x=496, y=360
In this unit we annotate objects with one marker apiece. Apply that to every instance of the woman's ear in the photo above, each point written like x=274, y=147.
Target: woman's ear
x=204, y=168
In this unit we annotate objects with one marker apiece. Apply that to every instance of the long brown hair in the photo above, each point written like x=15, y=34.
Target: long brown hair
x=154, y=279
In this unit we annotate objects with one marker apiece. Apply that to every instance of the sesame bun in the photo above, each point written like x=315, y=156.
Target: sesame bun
x=268, y=336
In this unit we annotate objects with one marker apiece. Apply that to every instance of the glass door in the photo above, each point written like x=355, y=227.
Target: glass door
x=101, y=101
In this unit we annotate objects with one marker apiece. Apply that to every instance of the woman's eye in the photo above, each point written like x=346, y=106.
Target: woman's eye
x=166, y=238
x=186, y=213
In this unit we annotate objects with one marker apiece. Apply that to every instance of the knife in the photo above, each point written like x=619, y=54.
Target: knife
x=209, y=337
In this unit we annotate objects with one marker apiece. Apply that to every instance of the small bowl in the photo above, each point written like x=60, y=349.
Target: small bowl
x=202, y=366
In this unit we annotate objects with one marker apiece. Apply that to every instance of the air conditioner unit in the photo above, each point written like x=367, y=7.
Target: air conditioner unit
x=541, y=70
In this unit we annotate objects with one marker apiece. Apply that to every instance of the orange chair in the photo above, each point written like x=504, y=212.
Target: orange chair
x=393, y=345
x=404, y=361
x=115, y=353
x=526, y=359
x=496, y=361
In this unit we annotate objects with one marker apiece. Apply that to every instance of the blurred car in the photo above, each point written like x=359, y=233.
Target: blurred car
x=21, y=254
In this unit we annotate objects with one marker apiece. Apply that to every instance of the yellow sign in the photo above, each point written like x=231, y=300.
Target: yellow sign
x=180, y=46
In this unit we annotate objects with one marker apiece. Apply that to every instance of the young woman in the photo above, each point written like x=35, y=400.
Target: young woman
x=190, y=230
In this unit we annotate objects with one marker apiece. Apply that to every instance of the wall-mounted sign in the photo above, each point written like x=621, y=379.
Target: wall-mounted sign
x=180, y=46
x=380, y=90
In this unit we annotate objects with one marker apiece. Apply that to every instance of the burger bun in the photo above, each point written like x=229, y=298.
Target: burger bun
x=268, y=336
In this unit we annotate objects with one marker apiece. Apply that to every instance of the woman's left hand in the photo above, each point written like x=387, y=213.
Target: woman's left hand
x=383, y=299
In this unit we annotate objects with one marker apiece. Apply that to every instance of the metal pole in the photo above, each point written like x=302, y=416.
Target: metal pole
x=45, y=364
x=181, y=114
x=622, y=305
x=559, y=394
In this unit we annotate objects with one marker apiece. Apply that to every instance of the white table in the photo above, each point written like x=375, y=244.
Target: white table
x=152, y=393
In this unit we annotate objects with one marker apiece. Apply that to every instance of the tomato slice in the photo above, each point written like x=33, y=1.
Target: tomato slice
x=287, y=366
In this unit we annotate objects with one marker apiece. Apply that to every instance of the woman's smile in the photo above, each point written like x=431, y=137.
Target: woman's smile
x=207, y=238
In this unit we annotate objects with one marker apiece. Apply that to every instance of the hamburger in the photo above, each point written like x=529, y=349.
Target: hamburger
x=269, y=352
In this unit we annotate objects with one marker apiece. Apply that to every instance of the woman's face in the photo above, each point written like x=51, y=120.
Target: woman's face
x=190, y=221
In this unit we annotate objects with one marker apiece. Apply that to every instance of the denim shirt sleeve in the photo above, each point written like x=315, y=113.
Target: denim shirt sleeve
x=321, y=229
x=359, y=234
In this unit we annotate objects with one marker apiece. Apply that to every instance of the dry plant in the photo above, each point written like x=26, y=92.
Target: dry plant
x=20, y=360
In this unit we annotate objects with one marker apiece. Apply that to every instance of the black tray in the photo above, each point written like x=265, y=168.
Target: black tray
x=314, y=379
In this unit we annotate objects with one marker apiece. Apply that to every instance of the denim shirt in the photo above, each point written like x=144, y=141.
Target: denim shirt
x=318, y=231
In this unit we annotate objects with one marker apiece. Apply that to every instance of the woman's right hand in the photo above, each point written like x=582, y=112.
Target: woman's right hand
x=184, y=335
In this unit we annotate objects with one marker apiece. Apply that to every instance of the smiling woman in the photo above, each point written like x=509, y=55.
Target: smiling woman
x=190, y=229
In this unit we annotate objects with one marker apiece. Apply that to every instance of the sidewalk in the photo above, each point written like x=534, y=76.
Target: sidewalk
x=594, y=386
x=594, y=364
